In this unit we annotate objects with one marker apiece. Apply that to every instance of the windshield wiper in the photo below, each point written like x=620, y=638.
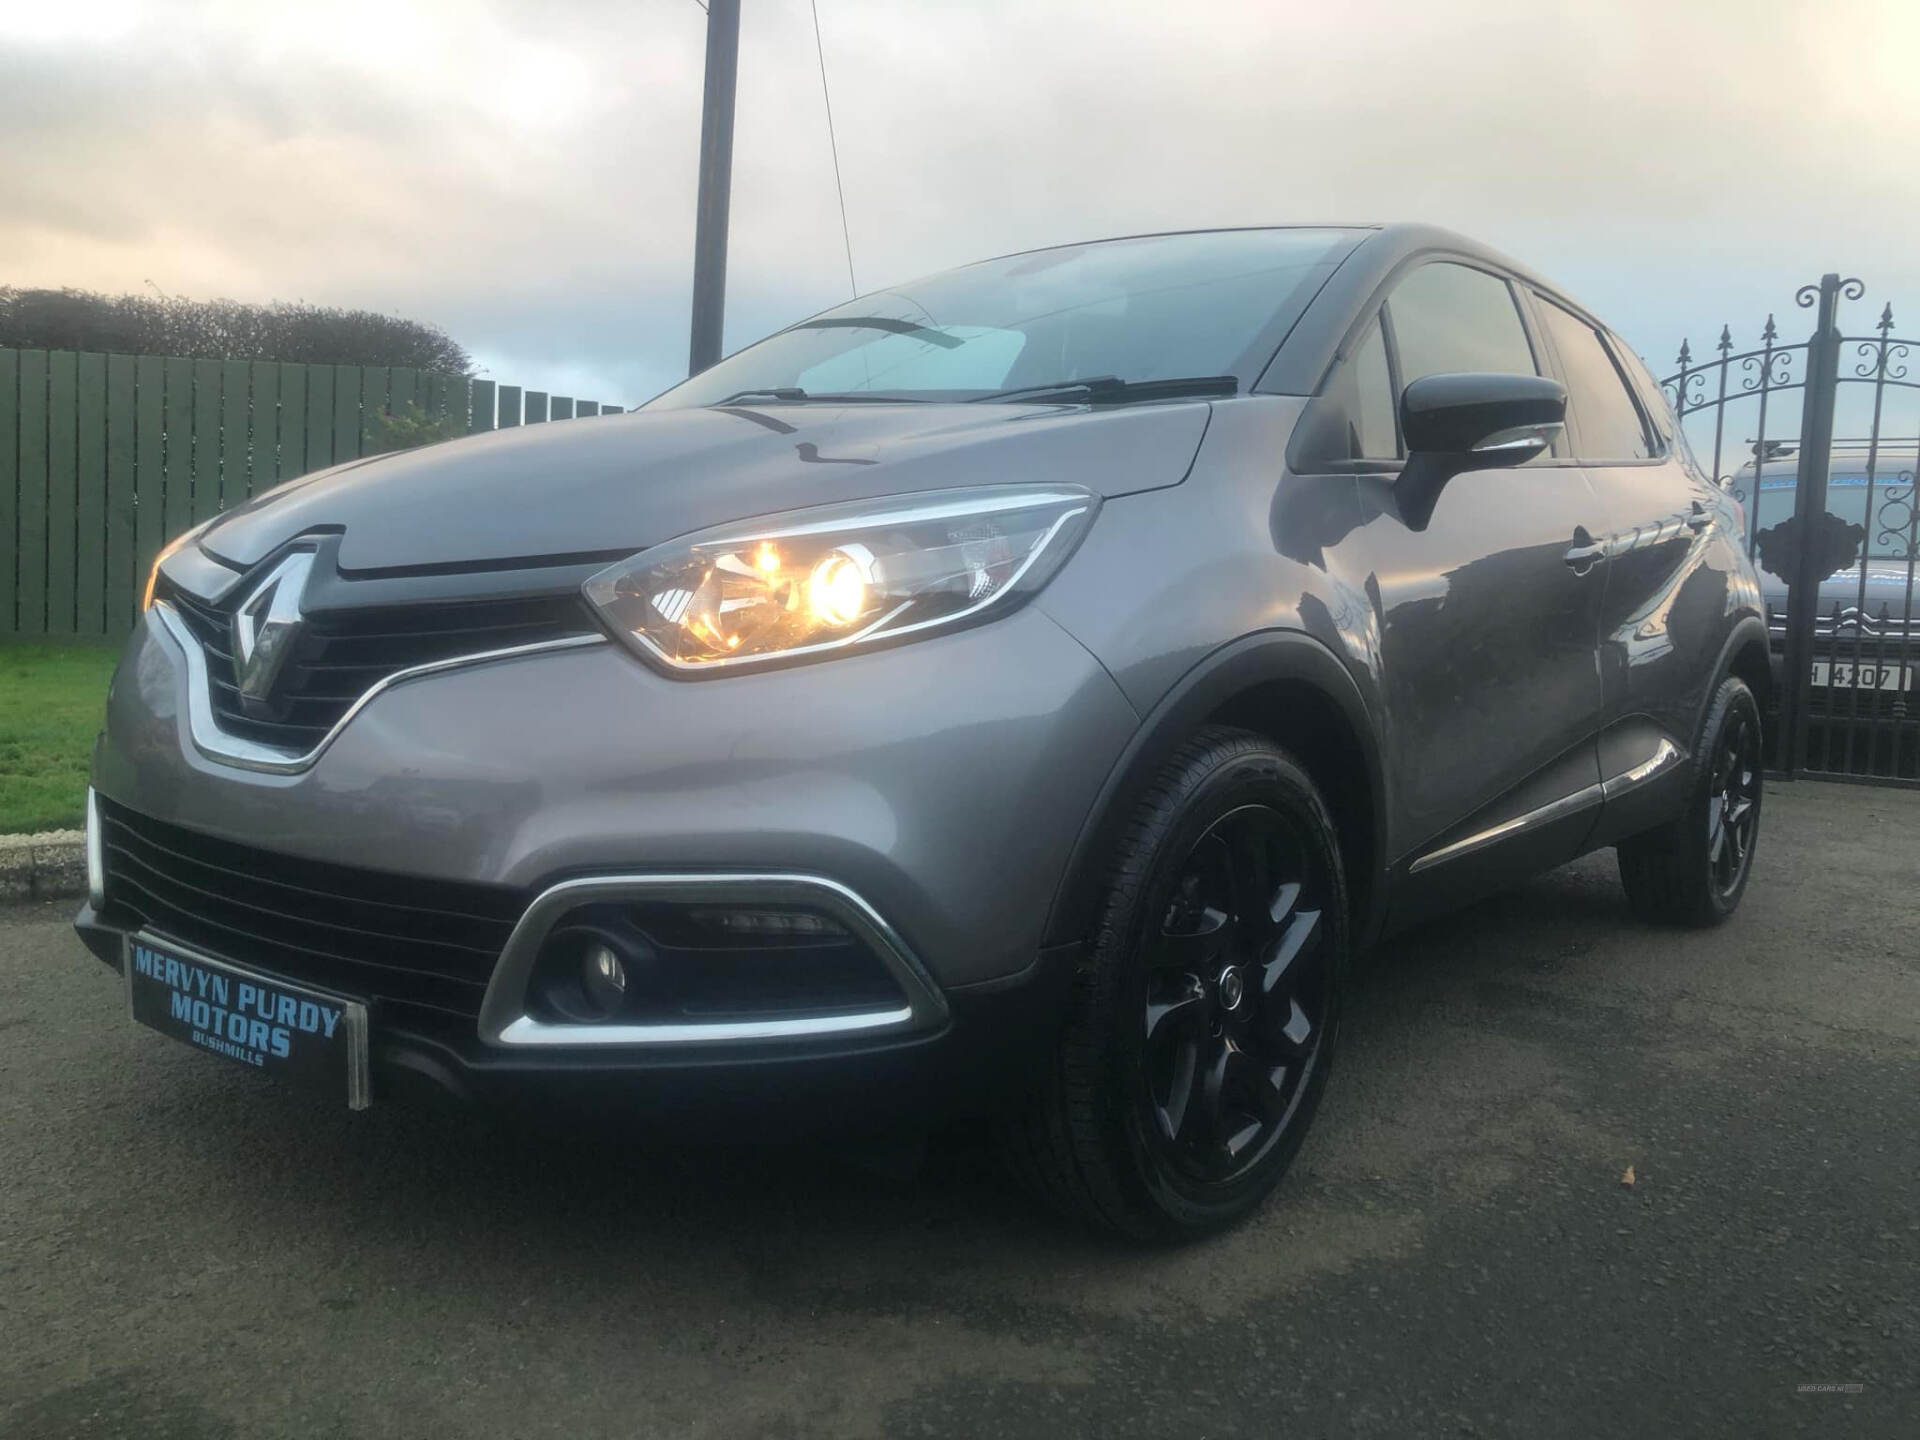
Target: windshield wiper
x=881, y=322
x=793, y=395
x=1112, y=390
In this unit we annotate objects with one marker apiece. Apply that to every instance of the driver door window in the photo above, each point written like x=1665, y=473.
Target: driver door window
x=1448, y=318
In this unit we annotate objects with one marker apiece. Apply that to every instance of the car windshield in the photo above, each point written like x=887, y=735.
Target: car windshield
x=1887, y=529
x=1158, y=307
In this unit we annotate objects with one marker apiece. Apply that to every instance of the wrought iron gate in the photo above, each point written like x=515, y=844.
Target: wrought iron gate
x=1818, y=440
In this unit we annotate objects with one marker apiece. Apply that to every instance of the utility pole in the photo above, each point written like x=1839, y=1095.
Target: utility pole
x=716, y=184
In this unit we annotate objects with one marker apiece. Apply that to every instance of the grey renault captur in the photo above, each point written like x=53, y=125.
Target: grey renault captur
x=1021, y=691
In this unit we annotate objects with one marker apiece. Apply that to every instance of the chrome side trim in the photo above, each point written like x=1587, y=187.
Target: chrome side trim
x=1558, y=809
x=217, y=744
x=504, y=1020
x=1665, y=754
x=1520, y=439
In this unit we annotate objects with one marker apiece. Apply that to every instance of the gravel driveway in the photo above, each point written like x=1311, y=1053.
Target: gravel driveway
x=186, y=1251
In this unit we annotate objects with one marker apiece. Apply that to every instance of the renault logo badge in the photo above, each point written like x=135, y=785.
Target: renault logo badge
x=267, y=624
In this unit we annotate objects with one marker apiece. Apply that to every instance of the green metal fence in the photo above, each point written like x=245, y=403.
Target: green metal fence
x=104, y=457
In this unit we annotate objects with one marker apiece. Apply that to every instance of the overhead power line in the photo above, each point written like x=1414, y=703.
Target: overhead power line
x=834, y=144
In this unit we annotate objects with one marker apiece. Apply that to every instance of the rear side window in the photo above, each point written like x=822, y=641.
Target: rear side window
x=1609, y=422
x=1655, y=406
x=1448, y=318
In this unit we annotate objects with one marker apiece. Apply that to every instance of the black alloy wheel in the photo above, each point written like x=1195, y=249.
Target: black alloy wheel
x=1235, y=996
x=1206, y=1010
x=1733, y=809
x=1693, y=869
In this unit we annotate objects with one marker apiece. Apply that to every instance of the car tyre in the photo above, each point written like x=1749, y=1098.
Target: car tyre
x=1694, y=869
x=1205, y=1012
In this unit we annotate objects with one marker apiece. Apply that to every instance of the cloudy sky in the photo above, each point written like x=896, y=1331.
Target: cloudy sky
x=523, y=174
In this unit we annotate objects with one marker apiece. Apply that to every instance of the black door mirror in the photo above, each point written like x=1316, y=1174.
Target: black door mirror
x=1456, y=423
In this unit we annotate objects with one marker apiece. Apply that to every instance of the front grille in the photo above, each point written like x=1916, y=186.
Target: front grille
x=342, y=654
x=1849, y=704
x=1884, y=624
x=419, y=945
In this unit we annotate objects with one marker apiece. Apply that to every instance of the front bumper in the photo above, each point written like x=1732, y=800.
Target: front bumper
x=983, y=1057
x=944, y=783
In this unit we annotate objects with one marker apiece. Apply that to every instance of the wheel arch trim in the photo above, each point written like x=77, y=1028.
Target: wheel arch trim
x=1234, y=670
x=1748, y=630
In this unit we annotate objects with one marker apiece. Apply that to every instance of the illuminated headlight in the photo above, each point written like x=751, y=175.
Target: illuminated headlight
x=816, y=582
x=172, y=547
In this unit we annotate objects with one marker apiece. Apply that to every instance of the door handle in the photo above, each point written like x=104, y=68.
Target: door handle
x=1585, y=554
x=1701, y=517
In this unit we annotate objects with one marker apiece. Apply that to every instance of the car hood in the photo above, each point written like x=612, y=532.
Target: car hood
x=615, y=484
x=1886, y=584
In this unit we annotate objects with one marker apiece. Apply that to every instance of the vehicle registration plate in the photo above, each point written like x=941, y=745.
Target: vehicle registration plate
x=308, y=1035
x=1864, y=675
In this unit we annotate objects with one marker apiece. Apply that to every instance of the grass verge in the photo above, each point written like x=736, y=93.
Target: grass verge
x=52, y=699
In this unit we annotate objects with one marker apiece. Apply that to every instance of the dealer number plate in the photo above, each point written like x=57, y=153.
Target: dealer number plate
x=256, y=1020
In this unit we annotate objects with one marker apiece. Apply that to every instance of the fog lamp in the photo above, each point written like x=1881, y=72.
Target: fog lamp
x=603, y=978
